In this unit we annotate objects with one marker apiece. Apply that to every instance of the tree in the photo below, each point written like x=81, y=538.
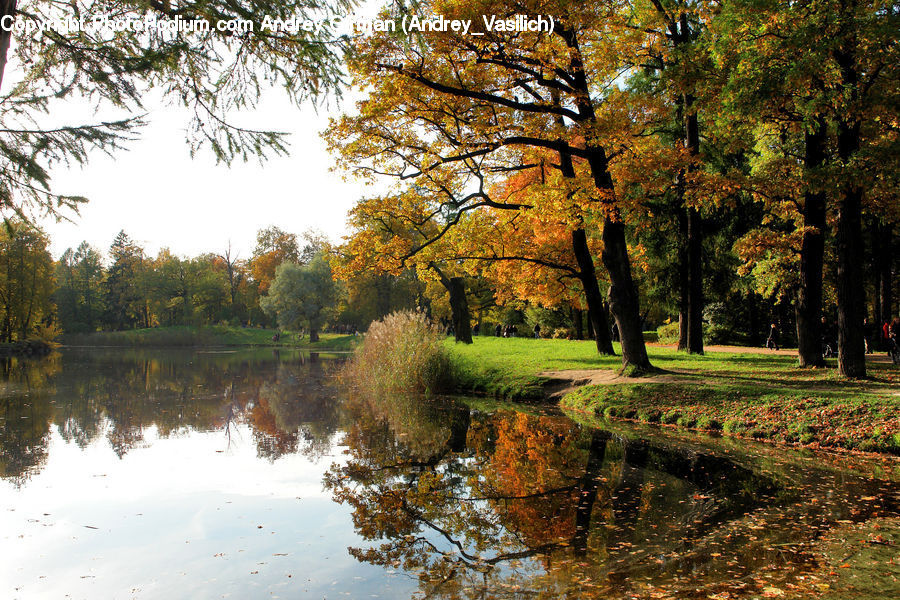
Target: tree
x=212, y=72
x=273, y=248
x=125, y=306
x=26, y=281
x=823, y=90
x=235, y=272
x=79, y=295
x=454, y=102
x=302, y=295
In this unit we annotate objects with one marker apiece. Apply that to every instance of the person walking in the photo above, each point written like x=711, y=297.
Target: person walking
x=894, y=341
x=772, y=340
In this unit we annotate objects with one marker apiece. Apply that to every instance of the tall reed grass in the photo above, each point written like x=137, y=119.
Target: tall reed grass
x=401, y=353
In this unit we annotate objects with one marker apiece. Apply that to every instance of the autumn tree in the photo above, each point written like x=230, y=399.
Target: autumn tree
x=274, y=246
x=828, y=111
x=394, y=233
x=452, y=100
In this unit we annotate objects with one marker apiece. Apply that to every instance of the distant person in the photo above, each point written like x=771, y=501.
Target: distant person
x=894, y=340
x=537, y=331
x=772, y=340
x=868, y=337
x=498, y=330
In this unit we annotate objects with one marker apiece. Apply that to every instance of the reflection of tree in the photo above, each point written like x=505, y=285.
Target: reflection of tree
x=538, y=506
x=25, y=415
x=297, y=410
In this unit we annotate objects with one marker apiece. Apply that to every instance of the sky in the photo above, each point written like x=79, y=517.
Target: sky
x=162, y=198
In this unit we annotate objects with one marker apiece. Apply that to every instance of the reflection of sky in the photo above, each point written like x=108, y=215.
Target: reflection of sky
x=188, y=516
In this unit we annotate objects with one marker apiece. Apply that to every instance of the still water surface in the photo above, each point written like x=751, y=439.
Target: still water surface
x=180, y=474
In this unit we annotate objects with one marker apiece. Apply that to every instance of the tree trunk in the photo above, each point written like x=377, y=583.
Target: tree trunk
x=694, y=234
x=7, y=8
x=459, y=306
x=690, y=316
x=812, y=256
x=695, y=282
x=623, y=297
x=683, y=284
x=313, y=335
x=462, y=325
x=877, y=258
x=588, y=276
x=579, y=330
x=851, y=348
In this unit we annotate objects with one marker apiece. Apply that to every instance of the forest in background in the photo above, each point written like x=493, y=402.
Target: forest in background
x=123, y=288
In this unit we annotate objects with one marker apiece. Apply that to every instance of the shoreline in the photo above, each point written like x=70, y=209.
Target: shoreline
x=745, y=394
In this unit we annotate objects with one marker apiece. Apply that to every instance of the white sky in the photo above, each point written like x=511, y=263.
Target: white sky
x=162, y=198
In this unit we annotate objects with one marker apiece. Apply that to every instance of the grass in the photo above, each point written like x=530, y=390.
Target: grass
x=755, y=395
x=403, y=352
x=216, y=335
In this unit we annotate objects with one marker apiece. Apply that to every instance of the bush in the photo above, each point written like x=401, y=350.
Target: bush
x=401, y=353
x=563, y=333
x=668, y=334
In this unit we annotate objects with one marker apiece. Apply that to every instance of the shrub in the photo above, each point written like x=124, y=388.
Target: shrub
x=401, y=353
x=668, y=334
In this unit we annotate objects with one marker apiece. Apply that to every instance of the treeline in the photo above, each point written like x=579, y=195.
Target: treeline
x=88, y=290
x=286, y=282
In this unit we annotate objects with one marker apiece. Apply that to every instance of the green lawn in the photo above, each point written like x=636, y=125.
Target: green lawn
x=759, y=395
x=217, y=335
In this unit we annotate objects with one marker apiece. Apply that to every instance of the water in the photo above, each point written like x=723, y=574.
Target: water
x=183, y=474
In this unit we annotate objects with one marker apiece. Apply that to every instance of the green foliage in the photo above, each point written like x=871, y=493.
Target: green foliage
x=26, y=281
x=668, y=333
x=404, y=352
x=125, y=308
x=302, y=295
x=79, y=295
x=213, y=74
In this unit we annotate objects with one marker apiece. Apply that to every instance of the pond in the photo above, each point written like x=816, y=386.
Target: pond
x=185, y=474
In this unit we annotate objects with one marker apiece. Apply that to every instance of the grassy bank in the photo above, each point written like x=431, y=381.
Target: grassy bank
x=218, y=335
x=755, y=395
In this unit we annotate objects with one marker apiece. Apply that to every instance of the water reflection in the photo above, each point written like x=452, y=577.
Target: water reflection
x=288, y=399
x=508, y=504
x=220, y=459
